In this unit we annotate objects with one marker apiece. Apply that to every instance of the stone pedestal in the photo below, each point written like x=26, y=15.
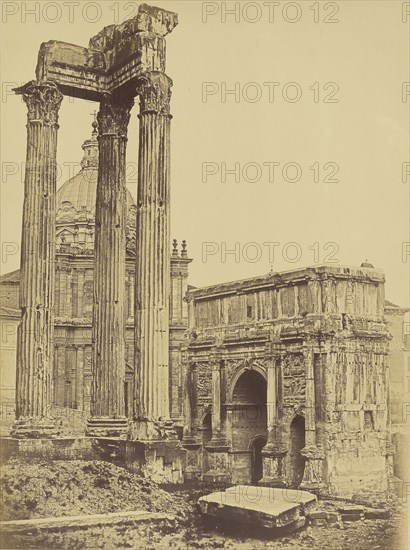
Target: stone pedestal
x=193, y=468
x=48, y=449
x=313, y=479
x=394, y=484
x=107, y=396
x=161, y=461
x=272, y=465
x=35, y=342
x=218, y=462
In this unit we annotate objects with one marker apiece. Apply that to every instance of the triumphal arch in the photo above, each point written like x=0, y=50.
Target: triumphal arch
x=121, y=63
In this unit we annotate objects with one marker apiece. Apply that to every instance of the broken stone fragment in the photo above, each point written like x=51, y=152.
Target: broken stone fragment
x=318, y=514
x=376, y=513
x=332, y=517
x=351, y=509
x=352, y=517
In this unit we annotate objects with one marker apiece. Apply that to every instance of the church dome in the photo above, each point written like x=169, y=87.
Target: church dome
x=75, y=218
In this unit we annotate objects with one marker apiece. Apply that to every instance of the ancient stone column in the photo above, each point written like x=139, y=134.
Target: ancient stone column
x=216, y=398
x=273, y=452
x=312, y=452
x=35, y=344
x=190, y=441
x=310, y=424
x=108, y=336
x=79, y=384
x=188, y=390
x=271, y=401
x=152, y=271
x=218, y=446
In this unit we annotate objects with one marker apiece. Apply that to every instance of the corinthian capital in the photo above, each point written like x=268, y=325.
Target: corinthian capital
x=43, y=100
x=154, y=90
x=114, y=115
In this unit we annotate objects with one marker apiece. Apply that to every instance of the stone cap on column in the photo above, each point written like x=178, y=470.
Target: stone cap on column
x=114, y=59
x=149, y=18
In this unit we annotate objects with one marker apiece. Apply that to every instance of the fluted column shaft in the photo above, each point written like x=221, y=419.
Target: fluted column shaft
x=152, y=274
x=189, y=389
x=310, y=422
x=35, y=345
x=108, y=336
x=271, y=401
x=216, y=398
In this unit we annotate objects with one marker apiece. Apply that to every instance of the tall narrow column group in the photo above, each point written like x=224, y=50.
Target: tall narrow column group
x=121, y=62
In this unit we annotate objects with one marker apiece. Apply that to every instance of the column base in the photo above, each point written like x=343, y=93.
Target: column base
x=108, y=427
x=162, y=461
x=34, y=428
x=143, y=429
x=218, y=460
x=193, y=469
x=395, y=485
x=272, y=466
x=313, y=477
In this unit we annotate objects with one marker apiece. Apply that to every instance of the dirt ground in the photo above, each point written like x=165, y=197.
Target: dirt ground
x=71, y=488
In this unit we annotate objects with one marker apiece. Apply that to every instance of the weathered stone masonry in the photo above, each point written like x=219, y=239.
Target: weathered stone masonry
x=315, y=343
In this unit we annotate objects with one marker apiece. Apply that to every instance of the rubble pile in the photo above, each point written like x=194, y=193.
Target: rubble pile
x=62, y=488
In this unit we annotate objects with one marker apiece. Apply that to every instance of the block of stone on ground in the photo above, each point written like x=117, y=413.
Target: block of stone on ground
x=351, y=509
x=262, y=506
x=376, y=513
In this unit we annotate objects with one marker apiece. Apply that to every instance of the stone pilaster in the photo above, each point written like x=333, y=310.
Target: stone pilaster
x=152, y=271
x=80, y=292
x=108, y=336
x=62, y=310
x=35, y=342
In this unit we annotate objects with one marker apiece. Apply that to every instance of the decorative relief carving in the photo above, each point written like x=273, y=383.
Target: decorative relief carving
x=114, y=116
x=154, y=90
x=294, y=382
x=43, y=100
x=204, y=381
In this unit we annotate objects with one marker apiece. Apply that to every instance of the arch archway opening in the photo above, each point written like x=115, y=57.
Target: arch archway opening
x=249, y=425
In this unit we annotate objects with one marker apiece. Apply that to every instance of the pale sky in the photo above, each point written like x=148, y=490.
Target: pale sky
x=362, y=61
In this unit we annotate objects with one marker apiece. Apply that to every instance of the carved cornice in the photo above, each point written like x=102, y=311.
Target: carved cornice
x=154, y=90
x=43, y=100
x=114, y=115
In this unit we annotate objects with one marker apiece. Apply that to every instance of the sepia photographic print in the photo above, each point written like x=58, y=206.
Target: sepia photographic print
x=204, y=290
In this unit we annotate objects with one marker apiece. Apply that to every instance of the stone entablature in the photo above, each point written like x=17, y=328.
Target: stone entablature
x=320, y=298
x=116, y=56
